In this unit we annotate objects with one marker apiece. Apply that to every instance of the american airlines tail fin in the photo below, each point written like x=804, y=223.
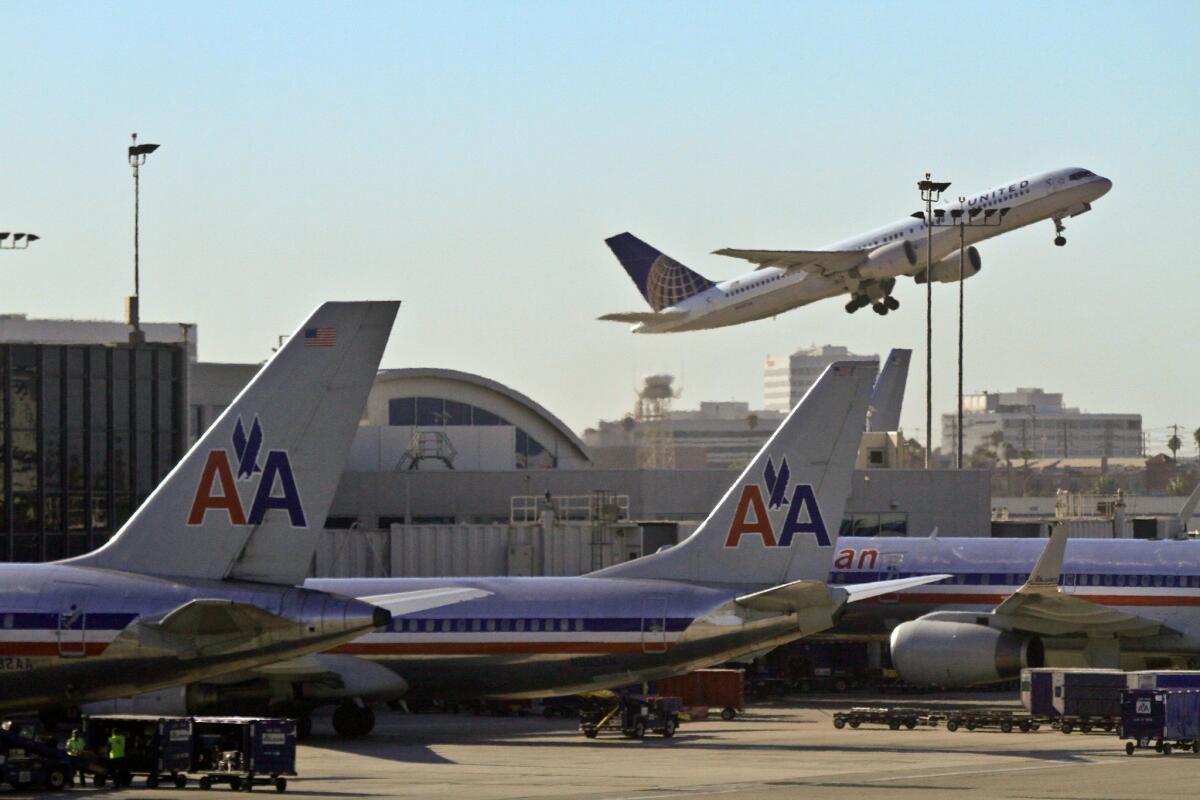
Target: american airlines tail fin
x=779, y=521
x=662, y=280
x=250, y=498
x=887, y=397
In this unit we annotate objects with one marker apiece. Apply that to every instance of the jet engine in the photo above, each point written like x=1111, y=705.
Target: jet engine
x=946, y=270
x=897, y=258
x=961, y=654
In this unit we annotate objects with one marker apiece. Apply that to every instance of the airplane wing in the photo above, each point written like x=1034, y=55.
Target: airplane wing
x=1041, y=606
x=810, y=594
x=641, y=316
x=817, y=262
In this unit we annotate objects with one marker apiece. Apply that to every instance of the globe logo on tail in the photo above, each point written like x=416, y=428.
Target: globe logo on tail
x=755, y=507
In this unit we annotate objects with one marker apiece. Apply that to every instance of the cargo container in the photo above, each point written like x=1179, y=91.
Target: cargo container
x=1164, y=679
x=1162, y=719
x=1037, y=691
x=1088, y=698
x=244, y=751
x=704, y=689
x=160, y=748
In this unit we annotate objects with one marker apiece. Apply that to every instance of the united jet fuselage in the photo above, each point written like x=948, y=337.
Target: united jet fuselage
x=889, y=252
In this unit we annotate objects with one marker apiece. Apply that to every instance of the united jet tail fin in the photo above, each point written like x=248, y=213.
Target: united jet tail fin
x=779, y=521
x=887, y=397
x=250, y=498
x=662, y=280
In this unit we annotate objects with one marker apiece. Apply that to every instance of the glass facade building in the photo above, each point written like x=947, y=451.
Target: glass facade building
x=88, y=431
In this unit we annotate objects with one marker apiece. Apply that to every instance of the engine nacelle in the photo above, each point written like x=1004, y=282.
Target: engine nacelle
x=176, y=701
x=357, y=677
x=960, y=654
x=897, y=258
x=946, y=270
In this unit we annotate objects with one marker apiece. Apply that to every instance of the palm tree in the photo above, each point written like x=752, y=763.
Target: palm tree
x=1173, y=444
x=1196, y=436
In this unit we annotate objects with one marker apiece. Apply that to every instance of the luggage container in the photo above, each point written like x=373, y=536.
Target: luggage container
x=1086, y=699
x=1162, y=719
x=159, y=748
x=706, y=689
x=244, y=752
x=1164, y=679
x=1037, y=691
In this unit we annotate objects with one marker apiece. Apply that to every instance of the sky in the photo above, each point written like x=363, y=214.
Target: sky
x=470, y=159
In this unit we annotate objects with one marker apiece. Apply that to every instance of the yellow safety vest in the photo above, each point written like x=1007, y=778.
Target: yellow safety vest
x=116, y=746
x=76, y=745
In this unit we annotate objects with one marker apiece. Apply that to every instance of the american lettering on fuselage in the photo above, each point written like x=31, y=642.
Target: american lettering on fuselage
x=865, y=267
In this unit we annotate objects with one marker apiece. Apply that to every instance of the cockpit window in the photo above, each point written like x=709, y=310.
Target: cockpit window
x=1083, y=173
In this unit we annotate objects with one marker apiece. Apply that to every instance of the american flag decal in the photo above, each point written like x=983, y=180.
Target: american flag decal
x=320, y=337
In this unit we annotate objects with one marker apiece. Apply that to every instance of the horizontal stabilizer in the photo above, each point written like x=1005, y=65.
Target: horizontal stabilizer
x=401, y=603
x=634, y=317
x=818, y=262
x=217, y=617
x=864, y=591
x=788, y=598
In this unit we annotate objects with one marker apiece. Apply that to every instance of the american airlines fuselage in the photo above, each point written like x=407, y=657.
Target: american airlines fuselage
x=892, y=251
x=1156, y=580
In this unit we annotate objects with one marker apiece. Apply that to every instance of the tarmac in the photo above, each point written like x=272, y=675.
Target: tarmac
x=779, y=750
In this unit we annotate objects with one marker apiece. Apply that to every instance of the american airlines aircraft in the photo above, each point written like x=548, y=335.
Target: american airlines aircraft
x=750, y=578
x=201, y=580
x=865, y=267
x=1013, y=603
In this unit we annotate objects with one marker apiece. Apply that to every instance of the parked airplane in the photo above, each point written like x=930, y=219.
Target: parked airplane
x=201, y=580
x=1101, y=602
x=750, y=578
x=865, y=267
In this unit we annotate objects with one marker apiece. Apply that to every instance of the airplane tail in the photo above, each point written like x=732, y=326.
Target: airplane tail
x=250, y=498
x=888, y=395
x=662, y=280
x=779, y=520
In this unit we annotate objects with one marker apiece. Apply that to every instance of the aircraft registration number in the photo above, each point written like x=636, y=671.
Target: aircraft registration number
x=13, y=663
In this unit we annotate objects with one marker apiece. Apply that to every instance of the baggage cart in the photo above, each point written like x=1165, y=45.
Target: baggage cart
x=244, y=752
x=894, y=717
x=158, y=748
x=632, y=715
x=1161, y=719
x=1088, y=699
x=1004, y=720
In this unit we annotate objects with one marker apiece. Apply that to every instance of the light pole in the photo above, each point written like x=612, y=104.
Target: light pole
x=963, y=218
x=931, y=192
x=137, y=157
x=17, y=241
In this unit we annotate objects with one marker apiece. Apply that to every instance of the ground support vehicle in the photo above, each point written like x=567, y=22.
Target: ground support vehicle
x=244, y=752
x=1003, y=719
x=894, y=717
x=27, y=763
x=159, y=748
x=633, y=715
x=1163, y=720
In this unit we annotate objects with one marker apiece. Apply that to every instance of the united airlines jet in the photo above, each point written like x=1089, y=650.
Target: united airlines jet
x=864, y=267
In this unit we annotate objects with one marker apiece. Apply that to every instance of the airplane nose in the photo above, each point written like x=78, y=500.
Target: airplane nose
x=1104, y=184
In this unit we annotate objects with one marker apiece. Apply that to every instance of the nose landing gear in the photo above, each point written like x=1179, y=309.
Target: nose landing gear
x=1059, y=240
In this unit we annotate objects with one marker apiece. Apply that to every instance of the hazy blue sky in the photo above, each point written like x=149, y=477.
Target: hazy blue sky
x=470, y=159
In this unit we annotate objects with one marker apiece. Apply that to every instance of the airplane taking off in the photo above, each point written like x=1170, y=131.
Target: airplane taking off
x=201, y=580
x=865, y=267
x=750, y=578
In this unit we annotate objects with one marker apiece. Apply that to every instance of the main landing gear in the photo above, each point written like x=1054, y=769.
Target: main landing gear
x=1059, y=240
x=352, y=720
x=880, y=307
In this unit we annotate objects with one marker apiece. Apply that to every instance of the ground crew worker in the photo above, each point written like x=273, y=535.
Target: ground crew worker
x=75, y=747
x=116, y=756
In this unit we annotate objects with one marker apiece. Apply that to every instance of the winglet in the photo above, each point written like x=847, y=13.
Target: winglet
x=1046, y=572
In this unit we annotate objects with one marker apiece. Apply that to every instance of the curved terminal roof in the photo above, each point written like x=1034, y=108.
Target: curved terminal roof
x=481, y=392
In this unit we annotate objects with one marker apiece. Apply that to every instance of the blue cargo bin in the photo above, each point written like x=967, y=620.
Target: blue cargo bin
x=244, y=751
x=1161, y=719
